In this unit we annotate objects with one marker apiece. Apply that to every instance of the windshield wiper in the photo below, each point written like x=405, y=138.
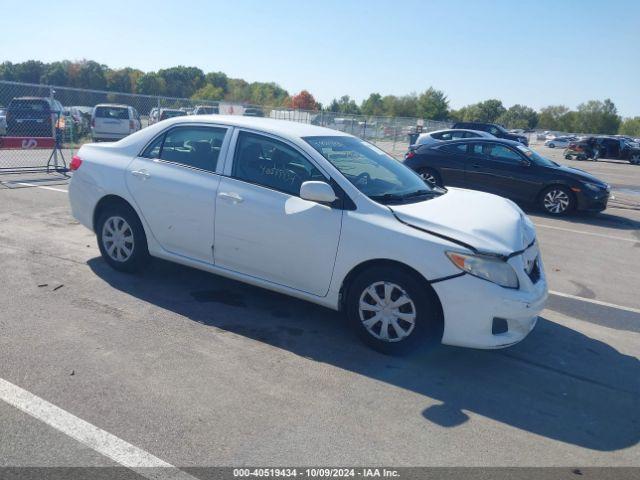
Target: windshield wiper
x=394, y=197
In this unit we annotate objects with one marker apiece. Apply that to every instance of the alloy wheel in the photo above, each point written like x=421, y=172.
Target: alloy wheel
x=556, y=201
x=117, y=239
x=387, y=312
x=635, y=159
x=428, y=177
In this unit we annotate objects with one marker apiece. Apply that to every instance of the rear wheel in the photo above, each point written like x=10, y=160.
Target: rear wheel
x=557, y=200
x=430, y=176
x=121, y=239
x=552, y=145
x=391, y=311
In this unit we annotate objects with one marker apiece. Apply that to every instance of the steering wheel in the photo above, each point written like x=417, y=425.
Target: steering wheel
x=363, y=179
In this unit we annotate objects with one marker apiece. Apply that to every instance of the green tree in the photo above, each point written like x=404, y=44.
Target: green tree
x=373, y=105
x=88, y=74
x=208, y=92
x=519, y=116
x=151, y=84
x=56, y=73
x=432, y=104
x=551, y=117
x=218, y=79
x=631, y=127
x=487, y=111
x=182, y=81
x=30, y=71
x=595, y=116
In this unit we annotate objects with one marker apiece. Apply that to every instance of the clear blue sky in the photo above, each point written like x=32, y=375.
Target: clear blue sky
x=520, y=51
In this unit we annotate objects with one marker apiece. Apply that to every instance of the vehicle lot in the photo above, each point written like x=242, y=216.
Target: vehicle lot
x=199, y=370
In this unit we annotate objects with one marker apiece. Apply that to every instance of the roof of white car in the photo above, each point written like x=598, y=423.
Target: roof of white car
x=282, y=128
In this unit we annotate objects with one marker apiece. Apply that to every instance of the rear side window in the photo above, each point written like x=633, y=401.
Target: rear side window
x=196, y=147
x=455, y=148
x=115, y=113
x=33, y=105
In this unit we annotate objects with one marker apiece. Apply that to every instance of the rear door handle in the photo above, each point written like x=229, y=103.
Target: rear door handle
x=233, y=197
x=140, y=174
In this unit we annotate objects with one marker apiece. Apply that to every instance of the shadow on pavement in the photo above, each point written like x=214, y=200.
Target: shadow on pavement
x=558, y=383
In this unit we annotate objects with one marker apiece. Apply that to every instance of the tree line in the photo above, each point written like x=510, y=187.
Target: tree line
x=593, y=116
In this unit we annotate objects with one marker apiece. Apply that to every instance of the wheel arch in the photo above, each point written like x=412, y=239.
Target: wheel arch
x=109, y=201
x=382, y=262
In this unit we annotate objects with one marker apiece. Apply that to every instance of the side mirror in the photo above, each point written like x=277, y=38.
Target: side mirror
x=524, y=163
x=320, y=192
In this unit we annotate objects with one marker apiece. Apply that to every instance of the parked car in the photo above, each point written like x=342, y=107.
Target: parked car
x=33, y=117
x=3, y=121
x=253, y=112
x=319, y=215
x=614, y=148
x=560, y=142
x=511, y=170
x=494, y=129
x=111, y=122
x=206, y=110
x=165, y=113
x=449, y=134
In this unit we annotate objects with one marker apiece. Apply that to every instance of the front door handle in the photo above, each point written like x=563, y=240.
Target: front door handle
x=140, y=174
x=233, y=197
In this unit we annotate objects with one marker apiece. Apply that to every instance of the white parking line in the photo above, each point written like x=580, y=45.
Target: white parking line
x=102, y=442
x=595, y=302
x=582, y=232
x=44, y=187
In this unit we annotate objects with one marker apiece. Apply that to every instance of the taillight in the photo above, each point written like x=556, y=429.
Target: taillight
x=131, y=127
x=410, y=154
x=76, y=161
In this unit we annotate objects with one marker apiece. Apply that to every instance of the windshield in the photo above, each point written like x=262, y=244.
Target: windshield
x=372, y=171
x=536, y=157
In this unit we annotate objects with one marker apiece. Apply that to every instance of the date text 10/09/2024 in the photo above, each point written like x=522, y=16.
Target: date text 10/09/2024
x=316, y=472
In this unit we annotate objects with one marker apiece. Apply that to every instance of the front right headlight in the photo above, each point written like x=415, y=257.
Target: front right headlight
x=492, y=269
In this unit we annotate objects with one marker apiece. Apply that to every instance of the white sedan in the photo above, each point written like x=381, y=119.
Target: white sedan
x=319, y=215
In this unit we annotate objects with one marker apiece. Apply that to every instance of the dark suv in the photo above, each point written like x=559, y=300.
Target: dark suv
x=33, y=117
x=494, y=129
x=616, y=148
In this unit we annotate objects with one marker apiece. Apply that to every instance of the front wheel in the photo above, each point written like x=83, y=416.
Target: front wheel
x=121, y=239
x=392, y=311
x=552, y=145
x=635, y=159
x=557, y=200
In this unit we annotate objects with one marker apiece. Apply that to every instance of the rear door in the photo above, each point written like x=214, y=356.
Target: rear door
x=174, y=184
x=449, y=160
x=499, y=169
x=112, y=121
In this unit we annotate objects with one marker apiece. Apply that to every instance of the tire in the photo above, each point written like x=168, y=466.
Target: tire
x=552, y=145
x=634, y=159
x=557, y=200
x=567, y=157
x=421, y=322
x=431, y=176
x=121, y=239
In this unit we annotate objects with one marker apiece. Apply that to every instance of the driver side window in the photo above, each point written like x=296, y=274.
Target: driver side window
x=272, y=164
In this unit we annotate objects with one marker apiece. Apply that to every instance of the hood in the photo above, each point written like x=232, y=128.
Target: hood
x=486, y=222
x=579, y=174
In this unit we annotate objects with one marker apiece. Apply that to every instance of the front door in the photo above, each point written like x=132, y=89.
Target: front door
x=499, y=169
x=264, y=229
x=174, y=183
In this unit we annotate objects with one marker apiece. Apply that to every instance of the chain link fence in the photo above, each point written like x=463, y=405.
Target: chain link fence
x=41, y=126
